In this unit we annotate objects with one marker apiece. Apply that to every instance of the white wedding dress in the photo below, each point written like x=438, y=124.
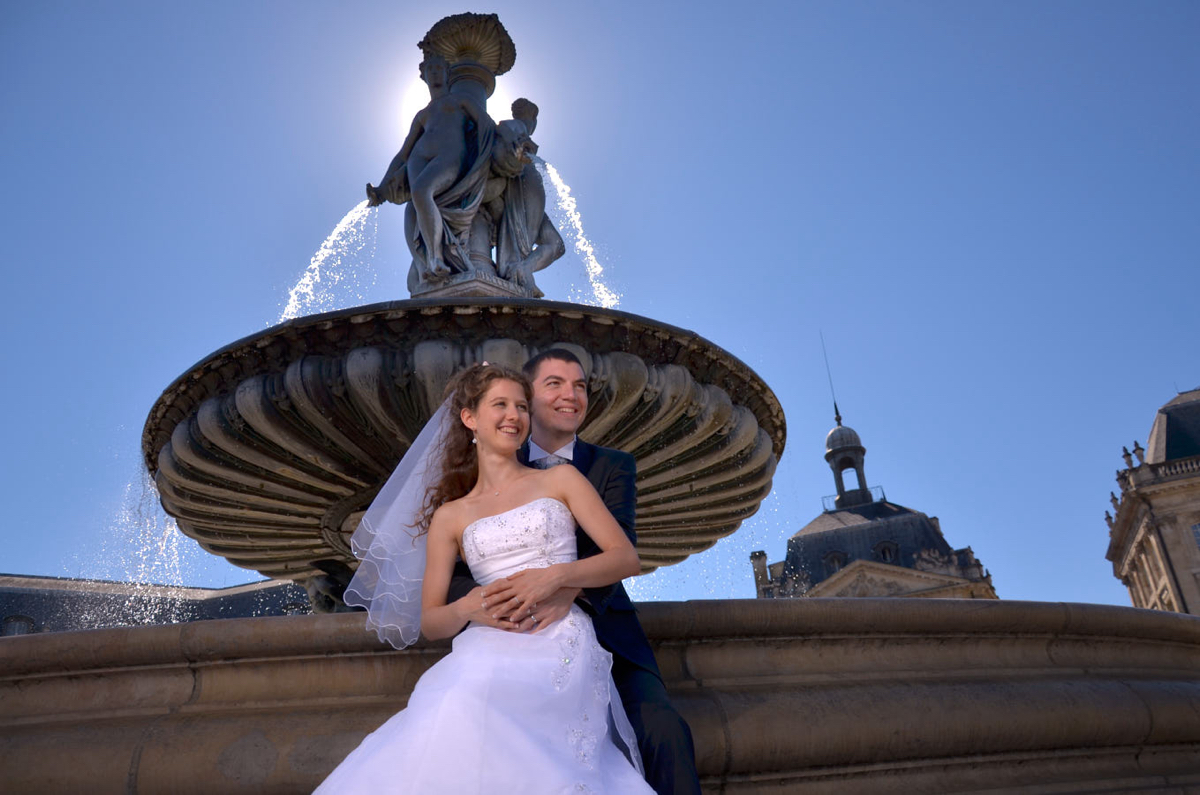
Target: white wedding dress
x=505, y=712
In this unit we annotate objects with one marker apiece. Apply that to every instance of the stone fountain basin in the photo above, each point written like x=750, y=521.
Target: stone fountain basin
x=805, y=696
x=268, y=451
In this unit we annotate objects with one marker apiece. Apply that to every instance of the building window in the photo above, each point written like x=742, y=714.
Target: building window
x=1147, y=584
x=16, y=625
x=886, y=551
x=1137, y=588
x=1196, y=533
x=834, y=562
x=1149, y=563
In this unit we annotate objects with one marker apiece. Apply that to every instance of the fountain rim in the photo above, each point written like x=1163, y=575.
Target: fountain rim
x=879, y=619
x=772, y=420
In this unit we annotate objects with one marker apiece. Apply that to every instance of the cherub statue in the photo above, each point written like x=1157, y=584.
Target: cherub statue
x=526, y=239
x=445, y=136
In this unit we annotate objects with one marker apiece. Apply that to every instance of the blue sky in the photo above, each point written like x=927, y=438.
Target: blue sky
x=988, y=209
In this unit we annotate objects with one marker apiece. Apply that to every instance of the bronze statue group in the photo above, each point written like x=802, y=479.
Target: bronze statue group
x=470, y=187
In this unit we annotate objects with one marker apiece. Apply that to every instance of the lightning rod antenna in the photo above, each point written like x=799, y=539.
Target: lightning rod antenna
x=836, y=414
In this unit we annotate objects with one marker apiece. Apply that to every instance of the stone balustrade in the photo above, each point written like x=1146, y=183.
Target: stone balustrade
x=1146, y=474
x=1182, y=466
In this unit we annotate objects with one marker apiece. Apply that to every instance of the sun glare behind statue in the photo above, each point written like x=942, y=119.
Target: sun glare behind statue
x=416, y=97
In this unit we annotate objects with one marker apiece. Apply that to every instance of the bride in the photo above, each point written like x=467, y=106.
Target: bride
x=505, y=711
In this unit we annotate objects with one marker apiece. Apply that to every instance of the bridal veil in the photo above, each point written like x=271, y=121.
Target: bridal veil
x=390, y=544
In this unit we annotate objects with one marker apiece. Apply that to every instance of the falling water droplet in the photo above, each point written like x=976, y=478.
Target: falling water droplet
x=140, y=545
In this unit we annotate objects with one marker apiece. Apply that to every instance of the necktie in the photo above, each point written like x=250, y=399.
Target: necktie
x=551, y=460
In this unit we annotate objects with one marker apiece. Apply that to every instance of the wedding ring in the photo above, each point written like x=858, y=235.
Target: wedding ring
x=535, y=620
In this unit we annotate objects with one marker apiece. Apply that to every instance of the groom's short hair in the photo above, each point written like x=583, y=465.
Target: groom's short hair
x=559, y=354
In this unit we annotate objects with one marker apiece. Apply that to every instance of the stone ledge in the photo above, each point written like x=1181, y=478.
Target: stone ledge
x=869, y=695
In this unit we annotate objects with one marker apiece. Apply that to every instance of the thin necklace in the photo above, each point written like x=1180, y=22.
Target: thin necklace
x=495, y=493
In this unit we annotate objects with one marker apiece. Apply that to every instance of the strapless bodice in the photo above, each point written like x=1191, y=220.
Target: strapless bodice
x=531, y=536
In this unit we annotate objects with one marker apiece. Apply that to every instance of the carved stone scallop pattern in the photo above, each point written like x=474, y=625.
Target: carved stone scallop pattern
x=478, y=38
x=268, y=451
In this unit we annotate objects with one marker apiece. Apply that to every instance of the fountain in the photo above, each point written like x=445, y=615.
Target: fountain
x=268, y=451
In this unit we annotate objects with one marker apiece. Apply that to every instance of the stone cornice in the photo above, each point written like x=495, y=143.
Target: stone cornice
x=24, y=582
x=1146, y=490
x=1124, y=532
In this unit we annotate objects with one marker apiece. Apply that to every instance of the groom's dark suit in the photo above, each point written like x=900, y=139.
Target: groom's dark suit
x=664, y=739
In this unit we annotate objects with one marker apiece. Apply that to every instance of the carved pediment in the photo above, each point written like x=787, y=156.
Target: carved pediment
x=864, y=578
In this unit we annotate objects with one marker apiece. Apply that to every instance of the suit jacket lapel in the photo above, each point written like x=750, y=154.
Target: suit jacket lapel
x=583, y=456
x=523, y=453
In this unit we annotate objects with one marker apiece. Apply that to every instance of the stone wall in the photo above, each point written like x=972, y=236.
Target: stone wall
x=820, y=695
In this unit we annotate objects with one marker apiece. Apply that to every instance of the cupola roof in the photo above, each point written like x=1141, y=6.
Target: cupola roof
x=842, y=437
x=1176, y=429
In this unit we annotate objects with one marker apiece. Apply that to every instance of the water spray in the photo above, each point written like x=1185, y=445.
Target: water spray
x=602, y=295
x=331, y=265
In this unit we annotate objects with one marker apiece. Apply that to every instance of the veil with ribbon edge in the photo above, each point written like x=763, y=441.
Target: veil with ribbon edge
x=390, y=543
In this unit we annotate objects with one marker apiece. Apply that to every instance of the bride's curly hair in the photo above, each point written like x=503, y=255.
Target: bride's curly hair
x=460, y=461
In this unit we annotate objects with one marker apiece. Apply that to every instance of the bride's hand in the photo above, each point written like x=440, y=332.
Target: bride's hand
x=553, y=608
x=473, y=607
x=516, y=596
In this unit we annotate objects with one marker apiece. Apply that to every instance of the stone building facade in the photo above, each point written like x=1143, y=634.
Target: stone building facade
x=1154, y=538
x=864, y=545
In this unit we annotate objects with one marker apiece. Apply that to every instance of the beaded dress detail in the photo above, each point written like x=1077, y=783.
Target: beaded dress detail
x=507, y=712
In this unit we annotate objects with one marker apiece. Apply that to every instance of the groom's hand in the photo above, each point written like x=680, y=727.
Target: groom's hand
x=518, y=596
x=549, y=610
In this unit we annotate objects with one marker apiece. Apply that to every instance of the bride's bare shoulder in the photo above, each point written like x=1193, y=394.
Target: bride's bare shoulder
x=563, y=475
x=450, y=517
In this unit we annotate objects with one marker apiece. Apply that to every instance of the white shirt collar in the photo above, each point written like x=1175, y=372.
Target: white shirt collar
x=567, y=451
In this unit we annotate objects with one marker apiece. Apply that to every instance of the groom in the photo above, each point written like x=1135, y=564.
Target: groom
x=559, y=406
